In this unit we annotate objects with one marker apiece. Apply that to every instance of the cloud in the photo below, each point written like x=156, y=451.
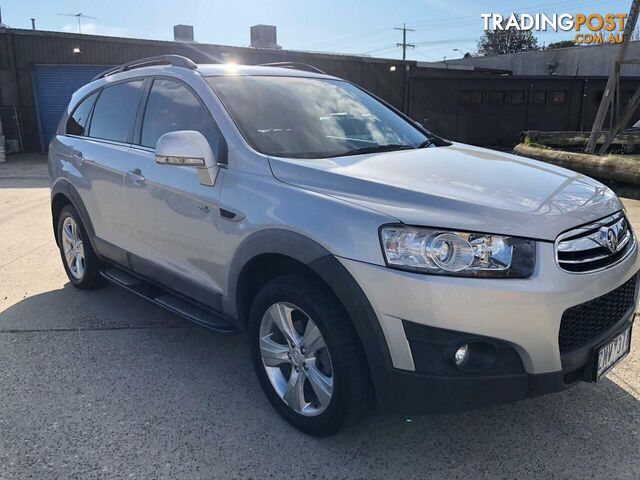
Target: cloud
x=92, y=28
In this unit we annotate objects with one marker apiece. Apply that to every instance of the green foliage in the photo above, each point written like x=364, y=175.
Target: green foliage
x=561, y=44
x=511, y=40
x=529, y=142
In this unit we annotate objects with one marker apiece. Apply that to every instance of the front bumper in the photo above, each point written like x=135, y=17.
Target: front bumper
x=523, y=314
x=447, y=393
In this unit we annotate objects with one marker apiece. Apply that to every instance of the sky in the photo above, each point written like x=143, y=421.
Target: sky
x=366, y=27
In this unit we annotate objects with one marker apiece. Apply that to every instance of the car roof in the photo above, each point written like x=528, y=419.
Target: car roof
x=216, y=70
x=211, y=70
x=203, y=69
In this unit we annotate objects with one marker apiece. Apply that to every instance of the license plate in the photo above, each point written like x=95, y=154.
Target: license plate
x=611, y=353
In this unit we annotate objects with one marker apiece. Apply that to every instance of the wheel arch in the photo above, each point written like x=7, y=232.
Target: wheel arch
x=63, y=193
x=263, y=256
x=270, y=253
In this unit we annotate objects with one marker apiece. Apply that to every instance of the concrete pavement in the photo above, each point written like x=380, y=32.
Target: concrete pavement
x=102, y=384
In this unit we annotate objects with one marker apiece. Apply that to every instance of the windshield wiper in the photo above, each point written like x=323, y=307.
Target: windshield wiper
x=425, y=144
x=389, y=147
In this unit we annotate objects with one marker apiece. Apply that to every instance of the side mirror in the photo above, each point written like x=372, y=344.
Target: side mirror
x=190, y=149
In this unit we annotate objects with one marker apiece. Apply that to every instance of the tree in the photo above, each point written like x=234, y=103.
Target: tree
x=561, y=44
x=511, y=40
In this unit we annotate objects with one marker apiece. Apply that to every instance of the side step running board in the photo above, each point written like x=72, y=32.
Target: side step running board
x=178, y=305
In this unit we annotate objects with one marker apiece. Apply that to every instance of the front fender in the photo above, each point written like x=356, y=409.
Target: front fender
x=331, y=271
x=274, y=241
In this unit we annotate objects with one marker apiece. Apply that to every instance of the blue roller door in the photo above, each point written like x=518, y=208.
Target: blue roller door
x=53, y=86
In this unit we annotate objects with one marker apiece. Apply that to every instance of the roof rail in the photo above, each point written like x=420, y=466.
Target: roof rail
x=295, y=65
x=175, y=60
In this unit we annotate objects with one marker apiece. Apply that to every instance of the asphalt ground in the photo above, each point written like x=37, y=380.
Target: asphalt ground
x=102, y=384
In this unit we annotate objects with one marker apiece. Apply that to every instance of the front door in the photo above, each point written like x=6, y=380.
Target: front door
x=173, y=221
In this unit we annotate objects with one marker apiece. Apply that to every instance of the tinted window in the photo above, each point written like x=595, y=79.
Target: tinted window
x=311, y=118
x=115, y=111
x=78, y=121
x=171, y=106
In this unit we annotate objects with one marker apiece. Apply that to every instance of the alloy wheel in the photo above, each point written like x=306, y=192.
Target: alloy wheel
x=73, y=248
x=296, y=359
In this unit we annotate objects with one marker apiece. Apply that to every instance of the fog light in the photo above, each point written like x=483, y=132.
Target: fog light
x=461, y=355
x=474, y=356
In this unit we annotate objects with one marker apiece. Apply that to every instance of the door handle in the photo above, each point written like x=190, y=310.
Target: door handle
x=77, y=156
x=136, y=176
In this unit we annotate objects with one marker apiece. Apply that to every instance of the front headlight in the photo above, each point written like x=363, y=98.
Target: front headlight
x=467, y=254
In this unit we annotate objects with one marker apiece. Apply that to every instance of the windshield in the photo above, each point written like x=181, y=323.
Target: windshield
x=312, y=118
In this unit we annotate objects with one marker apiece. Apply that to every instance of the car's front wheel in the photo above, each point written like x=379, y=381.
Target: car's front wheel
x=306, y=355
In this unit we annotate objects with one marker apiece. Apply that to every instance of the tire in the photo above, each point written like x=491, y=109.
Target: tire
x=83, y=267
x=340, y=360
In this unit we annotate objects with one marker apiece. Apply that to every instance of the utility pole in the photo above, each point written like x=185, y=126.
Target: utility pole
x=614, y=76
x=404, y=43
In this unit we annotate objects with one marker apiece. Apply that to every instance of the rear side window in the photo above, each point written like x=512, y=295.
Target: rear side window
x=115, y=111
x=77, y=122
x=172, y=106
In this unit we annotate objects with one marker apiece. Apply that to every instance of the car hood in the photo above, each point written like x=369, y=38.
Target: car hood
x=458, y=187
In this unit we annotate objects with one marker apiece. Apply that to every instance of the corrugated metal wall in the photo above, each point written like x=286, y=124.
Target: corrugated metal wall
x=492, y=111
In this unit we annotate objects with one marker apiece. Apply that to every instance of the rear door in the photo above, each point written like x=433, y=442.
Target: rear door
x=100, y=153
x=173, y=220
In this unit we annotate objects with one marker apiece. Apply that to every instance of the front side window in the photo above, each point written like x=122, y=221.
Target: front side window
x=77, y=122
x=172, y=106
x=115, y=111
x=312, y=118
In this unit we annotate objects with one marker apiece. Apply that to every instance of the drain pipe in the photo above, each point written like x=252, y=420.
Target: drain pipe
x=3, y=152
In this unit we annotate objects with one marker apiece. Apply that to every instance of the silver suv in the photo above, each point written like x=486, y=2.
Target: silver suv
x=370, y=261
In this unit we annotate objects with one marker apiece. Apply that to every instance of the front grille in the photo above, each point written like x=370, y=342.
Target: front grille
x=595, y=246
x=585, y=322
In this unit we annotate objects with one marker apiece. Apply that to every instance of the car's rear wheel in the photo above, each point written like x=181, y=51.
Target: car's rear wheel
x=80, y=261
x=306, y=355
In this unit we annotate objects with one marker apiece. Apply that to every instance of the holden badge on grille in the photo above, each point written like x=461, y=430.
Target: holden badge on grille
x=609, y=239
